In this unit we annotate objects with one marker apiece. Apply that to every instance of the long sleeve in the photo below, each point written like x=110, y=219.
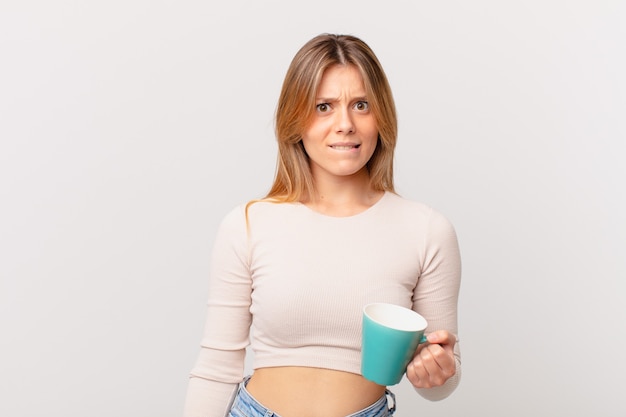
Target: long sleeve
x=323, y=270
x=220, y=364
x=437, y=292
x=206, y=398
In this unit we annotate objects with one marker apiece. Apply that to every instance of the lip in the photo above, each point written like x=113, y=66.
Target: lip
x=344, y=146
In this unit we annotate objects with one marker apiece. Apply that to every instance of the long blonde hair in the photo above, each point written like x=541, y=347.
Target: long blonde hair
x=296, y=105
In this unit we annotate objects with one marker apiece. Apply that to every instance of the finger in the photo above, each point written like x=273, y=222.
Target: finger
x=430, y=364
x=438, y=364
x=412, y=376
x=441, y=337
x=442, y=354
x=419, y=349
x=417, y=374
x=441, y=363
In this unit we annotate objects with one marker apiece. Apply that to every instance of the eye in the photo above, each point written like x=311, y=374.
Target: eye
x=361, y=105
x=323, y=107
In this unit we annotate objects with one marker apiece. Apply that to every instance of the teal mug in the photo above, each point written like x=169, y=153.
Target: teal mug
x=391, y=334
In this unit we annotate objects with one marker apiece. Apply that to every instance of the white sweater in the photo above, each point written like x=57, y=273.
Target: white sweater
x=292, y=283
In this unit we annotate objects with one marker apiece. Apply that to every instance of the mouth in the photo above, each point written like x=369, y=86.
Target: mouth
x=345, y=146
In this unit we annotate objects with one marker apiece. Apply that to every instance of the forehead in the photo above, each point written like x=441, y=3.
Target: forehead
x=341, y=79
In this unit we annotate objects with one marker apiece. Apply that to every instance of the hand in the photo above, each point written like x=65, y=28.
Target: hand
x=434, y=362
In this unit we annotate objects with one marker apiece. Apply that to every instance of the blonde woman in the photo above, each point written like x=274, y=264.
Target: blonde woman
x=291, y=272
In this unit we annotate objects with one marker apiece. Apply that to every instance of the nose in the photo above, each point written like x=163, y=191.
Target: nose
x=344, y=122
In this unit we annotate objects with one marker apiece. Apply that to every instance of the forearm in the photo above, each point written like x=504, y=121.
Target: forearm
x=208, y=398
x=220, y=364
x=436, y=298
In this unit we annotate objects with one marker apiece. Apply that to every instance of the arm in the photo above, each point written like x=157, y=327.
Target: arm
x=220, y=364
x=436, y=369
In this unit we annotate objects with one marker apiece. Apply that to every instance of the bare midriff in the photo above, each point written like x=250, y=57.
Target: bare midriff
x=312, y=392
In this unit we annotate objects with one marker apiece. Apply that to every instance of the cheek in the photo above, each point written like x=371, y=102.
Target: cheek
x=370, y=127
x=373, y=143
x=309, y=143
x=372, y=135
x=313, y=133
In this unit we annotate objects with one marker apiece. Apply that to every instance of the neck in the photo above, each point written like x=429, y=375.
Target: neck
x=343, y=196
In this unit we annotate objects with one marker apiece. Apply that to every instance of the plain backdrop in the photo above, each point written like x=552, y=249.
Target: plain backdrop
x=129, y=128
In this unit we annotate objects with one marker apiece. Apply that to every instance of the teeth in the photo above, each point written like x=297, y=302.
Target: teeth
x=343, y=148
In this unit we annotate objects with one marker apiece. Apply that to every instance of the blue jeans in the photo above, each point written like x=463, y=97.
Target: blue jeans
x=245, y=405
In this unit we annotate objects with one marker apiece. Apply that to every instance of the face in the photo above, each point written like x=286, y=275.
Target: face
x=342, y=134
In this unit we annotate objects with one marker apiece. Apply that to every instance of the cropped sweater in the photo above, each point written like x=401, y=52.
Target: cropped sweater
x=291, y=283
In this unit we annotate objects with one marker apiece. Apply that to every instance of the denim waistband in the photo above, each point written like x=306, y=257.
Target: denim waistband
x=245, y=405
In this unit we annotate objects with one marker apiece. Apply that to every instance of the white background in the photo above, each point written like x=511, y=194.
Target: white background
x=129, y=128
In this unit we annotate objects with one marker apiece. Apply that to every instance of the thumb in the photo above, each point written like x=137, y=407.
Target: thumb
x=441, y=337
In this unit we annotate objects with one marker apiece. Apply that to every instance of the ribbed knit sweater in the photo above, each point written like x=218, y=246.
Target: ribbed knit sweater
x=291, y=283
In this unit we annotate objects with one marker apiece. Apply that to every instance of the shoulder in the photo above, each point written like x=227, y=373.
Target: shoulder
x=253, y=211
x=403, y=205
x=419, y=213
x=232, y=226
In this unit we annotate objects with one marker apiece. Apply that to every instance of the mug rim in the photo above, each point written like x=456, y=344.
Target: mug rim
x=419, y=325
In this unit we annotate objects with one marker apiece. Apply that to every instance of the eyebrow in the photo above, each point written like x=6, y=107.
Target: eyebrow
x=332, y=100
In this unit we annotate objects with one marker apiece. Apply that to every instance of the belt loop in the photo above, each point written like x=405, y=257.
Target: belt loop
x=392, y=408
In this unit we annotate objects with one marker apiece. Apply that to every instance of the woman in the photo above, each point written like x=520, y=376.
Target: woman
x=291, y=272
